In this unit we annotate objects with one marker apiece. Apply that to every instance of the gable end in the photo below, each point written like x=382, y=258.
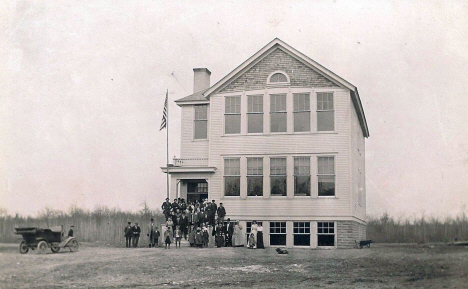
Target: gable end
x=256, y=77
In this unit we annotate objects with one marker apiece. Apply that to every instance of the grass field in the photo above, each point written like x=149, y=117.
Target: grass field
x=381, y=266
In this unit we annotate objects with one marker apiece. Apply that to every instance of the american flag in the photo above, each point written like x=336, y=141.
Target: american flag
x=164, y=118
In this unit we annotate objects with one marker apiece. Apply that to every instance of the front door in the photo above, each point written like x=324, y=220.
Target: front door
x=197, y=190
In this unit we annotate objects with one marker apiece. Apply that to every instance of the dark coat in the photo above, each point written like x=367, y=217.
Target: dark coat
x=128, y=231
x=136, y=231
x=221, y=212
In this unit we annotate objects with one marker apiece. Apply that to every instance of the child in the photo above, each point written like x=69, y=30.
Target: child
x=252, y=241
x=198, y=239
x=178, y=236
x=168, y=237
x=205, y=236
x=192, y=234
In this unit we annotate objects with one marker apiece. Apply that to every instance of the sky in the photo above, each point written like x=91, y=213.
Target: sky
x=82, y=87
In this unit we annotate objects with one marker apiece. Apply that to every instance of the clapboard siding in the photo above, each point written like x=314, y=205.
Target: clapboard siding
x=191, y=148
x=357, y=165
x=313, y=144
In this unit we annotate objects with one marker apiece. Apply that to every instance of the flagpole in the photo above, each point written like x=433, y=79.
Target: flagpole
x=167, y=144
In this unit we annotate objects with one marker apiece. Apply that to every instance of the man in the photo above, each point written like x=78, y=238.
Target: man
x=151, y=233
x=128, y=235
x=166, y=207
x=175, y=205
x=221, y=213
x=183, y=223
x=214, y=208
x=136, y=230
x=70, y=232
x=229, y=231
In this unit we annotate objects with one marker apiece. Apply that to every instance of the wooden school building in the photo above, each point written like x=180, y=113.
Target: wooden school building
x=279, y=140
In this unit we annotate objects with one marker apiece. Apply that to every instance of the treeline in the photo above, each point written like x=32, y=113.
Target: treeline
x=106, y=225
x=102, y=225
x=385, y=229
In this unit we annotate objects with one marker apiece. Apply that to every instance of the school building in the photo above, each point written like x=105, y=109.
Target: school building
x=279, y=140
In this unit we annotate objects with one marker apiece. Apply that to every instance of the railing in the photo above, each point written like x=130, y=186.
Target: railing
x=190, y=162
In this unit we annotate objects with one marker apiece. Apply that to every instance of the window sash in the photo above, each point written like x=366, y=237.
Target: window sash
x=254, y=166
x=232, y=105
x=232, y=186
x=324, y=101
x=326, y=120
x=277, y=103
x=301, y=102
x=255, y=104
x=201, y=112
x=302, y=121
x=278, y=166
x=325, y=228
x=278, y=228
x=201, y=129
x=254, y=185
x=302, y=166
x=278, y=185
x=232, y=166
x=326, y=165
x=301, y=228
x=232, y=123
x=302, y=185
x=255, y=122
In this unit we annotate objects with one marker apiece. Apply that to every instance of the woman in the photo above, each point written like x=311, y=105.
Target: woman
x=211, y=241
x=238, y=235
x=254, y=230
x=260, y=244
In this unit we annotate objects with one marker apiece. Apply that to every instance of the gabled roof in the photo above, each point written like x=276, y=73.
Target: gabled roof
x=267, y=49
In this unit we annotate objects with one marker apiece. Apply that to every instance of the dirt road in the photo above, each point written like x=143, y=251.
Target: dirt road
x=382, y=266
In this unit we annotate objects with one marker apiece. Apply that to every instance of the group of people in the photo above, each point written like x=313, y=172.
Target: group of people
x=132, y=235
x=202, y=223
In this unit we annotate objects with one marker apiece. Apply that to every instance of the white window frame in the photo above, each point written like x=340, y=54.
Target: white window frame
x=325, y=110
x=278, y=83
x=255, y=175
x=195, y=121
x=232, y=113
x=285, y=111
x=285, y=175
x=297, y=94
x=335, y=239
x=231, y=175
x=285, y=232
x=251, y=112
x=318, y=174
x=309, y=234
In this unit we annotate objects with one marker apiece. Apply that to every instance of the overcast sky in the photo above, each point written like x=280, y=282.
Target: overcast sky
x=82, y=89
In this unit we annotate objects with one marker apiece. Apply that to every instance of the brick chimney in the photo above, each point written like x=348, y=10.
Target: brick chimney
x=201, y=79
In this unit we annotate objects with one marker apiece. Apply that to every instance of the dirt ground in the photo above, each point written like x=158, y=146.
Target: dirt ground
x=381, y=266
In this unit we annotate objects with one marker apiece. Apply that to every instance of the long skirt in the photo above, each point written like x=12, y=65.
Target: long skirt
x=260, y=244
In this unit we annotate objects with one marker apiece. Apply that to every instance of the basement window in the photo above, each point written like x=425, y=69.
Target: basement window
x=301, y=233
x=326, y=234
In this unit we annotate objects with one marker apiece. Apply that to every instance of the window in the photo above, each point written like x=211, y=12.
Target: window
x=232, y=177
x=325, y=112
x=201, y=122
x=301, y=112
x=254, y=176
x=232, y=115
x=255, y=114
x=326, y=234
x=277, y=233
x=202, y=188
x=278, y=77
x=326, y=176
x=278, y=113
x=278, y=176
x=301, y=233
x=248, y=229
x=302, y=176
